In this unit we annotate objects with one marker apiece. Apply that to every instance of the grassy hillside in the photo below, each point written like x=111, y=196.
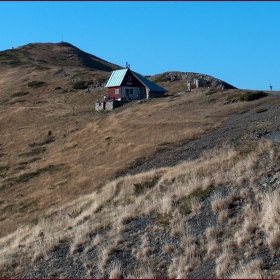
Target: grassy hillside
x=214, y=216
x=67, y=205
x=42, y=56
x=52, y=152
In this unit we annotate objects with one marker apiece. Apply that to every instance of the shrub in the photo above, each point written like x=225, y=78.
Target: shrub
x=212, y=91
x=49, y=139
x=162, y=78
x=138, y=161
x=250, y=95
x=260, y=110
x=34, y=152
x=35, y=84
x=23, y=178
x=58, y=72
x=234, y=97
x=3, y=168
x=184, y=203
x=80, y=85
x=20, y=93
x=162, y=219
x=15, y=62
x=34, y=159
x=212, y=100
x=140, y=188
x=41, y=68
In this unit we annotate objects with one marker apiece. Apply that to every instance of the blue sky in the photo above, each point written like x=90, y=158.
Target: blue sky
x=238, y=42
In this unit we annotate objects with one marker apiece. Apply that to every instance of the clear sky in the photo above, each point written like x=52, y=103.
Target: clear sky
x=238, y=42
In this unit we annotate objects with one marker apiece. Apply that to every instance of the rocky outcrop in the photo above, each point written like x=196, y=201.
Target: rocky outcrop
x=201, y=80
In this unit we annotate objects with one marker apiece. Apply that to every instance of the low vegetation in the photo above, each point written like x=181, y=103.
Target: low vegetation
x=246, y=96
x=35, y=84
x=212, y=91
x=261, y=110
x=3, y=168
x=23, y=178
x=80, y=85
x=92, y=226
x=141, y=188
x=48, y=139
x=33, y=152
x=162, y=78
x=187, y=204
x=19, y=94
x=252, y=95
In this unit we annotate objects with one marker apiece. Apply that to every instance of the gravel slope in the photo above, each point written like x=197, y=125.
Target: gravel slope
x=238, y=126
x=82, y=264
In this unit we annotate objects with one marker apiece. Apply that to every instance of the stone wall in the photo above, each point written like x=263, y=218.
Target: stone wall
x=98, y=106
x=109, y=105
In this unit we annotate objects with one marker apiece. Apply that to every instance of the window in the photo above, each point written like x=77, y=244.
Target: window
x=129, y=78
x=116, y=91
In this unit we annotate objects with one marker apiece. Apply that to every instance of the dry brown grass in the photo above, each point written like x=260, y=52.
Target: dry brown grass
x=224, y=263
x=223, y=216
x=115, y=271
x=219, y=204
x=95, y=148
x=168, y=248
x=211, y=233
x=212, y=248
x=242, y=238
x=270, y=213
x=273, y=239
x=252, y=270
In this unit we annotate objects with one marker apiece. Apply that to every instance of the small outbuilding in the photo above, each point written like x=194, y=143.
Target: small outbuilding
x=127, y=84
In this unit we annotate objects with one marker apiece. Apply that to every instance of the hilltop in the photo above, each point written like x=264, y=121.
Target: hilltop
x=180, y=186
x=67, y=63
x=42, y=55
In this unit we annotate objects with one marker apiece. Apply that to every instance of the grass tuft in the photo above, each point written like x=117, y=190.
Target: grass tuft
x=184, y=204
x=141, y=188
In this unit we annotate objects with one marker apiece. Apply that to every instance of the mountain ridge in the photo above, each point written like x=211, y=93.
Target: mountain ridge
x=64, y=54
x=56, y=54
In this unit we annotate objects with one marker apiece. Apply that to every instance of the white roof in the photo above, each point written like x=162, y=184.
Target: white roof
x=117, y=77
